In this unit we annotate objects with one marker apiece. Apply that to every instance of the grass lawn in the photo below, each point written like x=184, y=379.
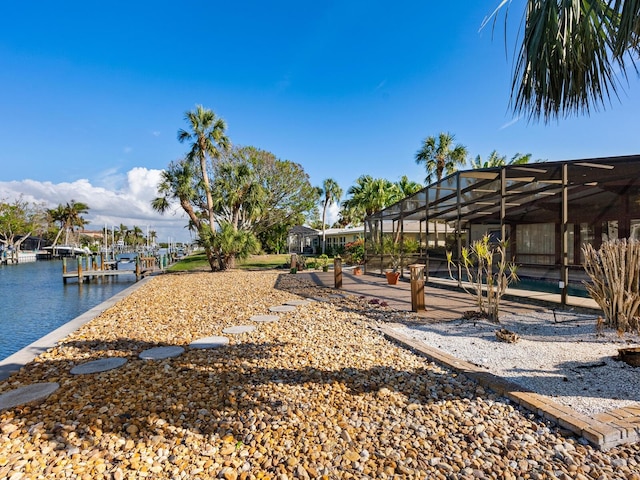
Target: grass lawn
x=198, y=261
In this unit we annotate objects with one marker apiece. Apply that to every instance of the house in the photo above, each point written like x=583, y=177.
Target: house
x=547, y=211
x=308, y=240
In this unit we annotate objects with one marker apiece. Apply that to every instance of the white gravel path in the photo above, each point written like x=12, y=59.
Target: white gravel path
x=559, y=356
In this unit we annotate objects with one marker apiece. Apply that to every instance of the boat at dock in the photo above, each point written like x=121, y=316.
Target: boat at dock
x=59, y=251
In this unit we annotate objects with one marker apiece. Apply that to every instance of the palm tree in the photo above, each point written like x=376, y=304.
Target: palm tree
x=368, y=196
x=238, y=196
x=496, y=160
x=407, y=187
x=571, y=54
x=208, y=139
x=69, y=216
x=137, y=235
x=179, y=182
x=440, y=155
x=331, y=193
x=232, y=244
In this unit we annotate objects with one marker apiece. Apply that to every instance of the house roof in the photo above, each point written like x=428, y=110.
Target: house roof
x=302, y=230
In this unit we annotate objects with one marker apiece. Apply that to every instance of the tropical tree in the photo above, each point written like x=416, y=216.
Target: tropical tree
x=330, y=193
x=69, y=216
x=180, y=183
x=573, y=55
x=137, y=235
x=407, y=187
x=252, y=191
x=369, y=195
x=238, y=196
x=234, y=244
x=18, y=219
x=288, y=198
x=207, y=140
x=440, y=155
x=496, y=160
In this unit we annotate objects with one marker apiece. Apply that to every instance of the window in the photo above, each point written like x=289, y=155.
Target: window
x=536, y=244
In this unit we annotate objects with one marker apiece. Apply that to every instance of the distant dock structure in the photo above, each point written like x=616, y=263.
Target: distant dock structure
x=88, y=268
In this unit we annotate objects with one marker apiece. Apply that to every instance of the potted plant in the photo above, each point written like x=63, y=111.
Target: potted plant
x=354, y=252
x=393, y=275
x=323, y=262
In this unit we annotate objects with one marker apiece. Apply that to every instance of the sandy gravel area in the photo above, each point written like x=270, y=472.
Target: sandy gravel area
x=317, y=394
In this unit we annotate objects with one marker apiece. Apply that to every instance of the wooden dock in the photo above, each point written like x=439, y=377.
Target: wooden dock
x=88, y=268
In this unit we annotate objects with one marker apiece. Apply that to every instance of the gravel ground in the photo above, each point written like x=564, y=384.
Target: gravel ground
x=318, y=394
x=560, y=355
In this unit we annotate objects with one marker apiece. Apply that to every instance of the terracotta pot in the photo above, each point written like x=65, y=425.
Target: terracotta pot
x=392, y=277
x=357, y=271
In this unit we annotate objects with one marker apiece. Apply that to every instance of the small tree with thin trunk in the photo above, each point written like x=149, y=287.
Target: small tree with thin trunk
x=488, y=272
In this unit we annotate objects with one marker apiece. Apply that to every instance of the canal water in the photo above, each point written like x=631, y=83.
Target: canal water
x=34, y=301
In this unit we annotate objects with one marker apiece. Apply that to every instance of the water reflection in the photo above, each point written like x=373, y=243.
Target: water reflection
x=34, y=301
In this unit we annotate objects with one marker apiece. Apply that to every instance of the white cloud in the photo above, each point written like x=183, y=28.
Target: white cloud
x=155, y=133
x=128, y=204
x=127, y=149
x=333, y=213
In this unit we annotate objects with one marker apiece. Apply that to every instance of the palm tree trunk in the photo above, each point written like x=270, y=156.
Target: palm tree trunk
x=324, y=214
x=207, y=187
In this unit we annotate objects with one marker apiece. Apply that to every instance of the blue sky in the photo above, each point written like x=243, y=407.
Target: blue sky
x=92, y=94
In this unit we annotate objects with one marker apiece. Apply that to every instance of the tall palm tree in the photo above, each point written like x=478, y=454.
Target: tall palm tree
x=207, y=139
x=441, y=155
x=571, y=54
x=330, y=193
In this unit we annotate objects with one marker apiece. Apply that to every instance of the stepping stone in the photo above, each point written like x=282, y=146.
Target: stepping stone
x=282, y=308
x=159, y=353
x=265, y=318
x=338, y=295
x=210, y=342
x=28, y=394
x=297, y=303
x=239, y=329
x=97, y=366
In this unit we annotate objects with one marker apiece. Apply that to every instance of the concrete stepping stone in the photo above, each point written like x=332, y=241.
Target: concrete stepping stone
x=28, y=394
x=282, y=308
x=337, y=295
x=209, y=342
x=97, y=366
x=239, y=329
x=265, y=318
x=297, y=303
x=160, y=353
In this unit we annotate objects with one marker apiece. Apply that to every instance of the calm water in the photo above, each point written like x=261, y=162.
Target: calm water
x=34, y=301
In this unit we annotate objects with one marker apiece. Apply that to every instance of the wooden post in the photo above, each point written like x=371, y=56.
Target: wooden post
x=417, y=287
x=102, y=261
x=79, y=261
x=137, y=268
x=337, y=272
x=294, y=261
